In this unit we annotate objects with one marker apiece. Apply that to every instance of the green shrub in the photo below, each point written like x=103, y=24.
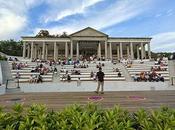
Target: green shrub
x=88, y=117
x=3, y=58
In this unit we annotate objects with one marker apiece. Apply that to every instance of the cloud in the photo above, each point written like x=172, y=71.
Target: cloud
x=61, y=9
x=13, y=17
x=170, y=12
x=10, y=23
x=163, y=42
x=112, y=14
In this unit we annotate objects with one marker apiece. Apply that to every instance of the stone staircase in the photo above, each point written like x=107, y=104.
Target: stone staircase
x=137, y=68
x=125, y=72
x=110, y=75
x=26, y=72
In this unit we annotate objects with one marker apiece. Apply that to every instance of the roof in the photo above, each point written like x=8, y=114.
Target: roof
x=88, y=30
x=130, y=38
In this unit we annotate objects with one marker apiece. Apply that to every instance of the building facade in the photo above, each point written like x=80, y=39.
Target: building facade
x=85, y=43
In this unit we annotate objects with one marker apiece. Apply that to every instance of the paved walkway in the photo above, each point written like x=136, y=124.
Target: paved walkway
x=90, y=86
x=129, y=100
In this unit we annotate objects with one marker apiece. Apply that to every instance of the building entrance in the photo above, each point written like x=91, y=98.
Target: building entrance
x=87, y=52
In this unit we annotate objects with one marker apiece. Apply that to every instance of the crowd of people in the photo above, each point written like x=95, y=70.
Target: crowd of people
x=81, y=65
x=13, y=59
x=43, y=70
x=35, y=78
x=148, y=76
x=18, y=66
x=158, y=68
x=161, y=61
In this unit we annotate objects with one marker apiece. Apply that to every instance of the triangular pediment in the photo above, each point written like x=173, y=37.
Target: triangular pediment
x=89, y=32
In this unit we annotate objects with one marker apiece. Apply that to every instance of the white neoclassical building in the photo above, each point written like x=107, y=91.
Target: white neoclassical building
x=86, y=42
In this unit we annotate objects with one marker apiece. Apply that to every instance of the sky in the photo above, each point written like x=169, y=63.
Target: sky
x=117, y=18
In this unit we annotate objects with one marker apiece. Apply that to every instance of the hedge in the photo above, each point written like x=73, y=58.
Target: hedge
x=88, y=117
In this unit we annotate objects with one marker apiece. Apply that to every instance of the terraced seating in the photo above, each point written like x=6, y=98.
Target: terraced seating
x=25, y=73
x=136, y=69
x=85, y=73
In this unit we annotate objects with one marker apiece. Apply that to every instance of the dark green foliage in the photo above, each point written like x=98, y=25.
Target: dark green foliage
x=2, y=58
x=161, y=54
x=45, y=34
x=11, y=47
x=88, y=117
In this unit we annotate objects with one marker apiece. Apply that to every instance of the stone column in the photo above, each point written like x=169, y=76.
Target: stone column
x=24, y=50
x=138, y=53
x=132, y=53
x=46, y=52
x=149, y=51
x=55, y=55
x=66, y=50
x=40, y=52
x=71, y=50
x=28, y=51
x=43, y=51
x=106, y=50
x=142, y=53
x=118, y=52
x=31, y=51
x=110, y=50
x=99, y=50
x=121, y=51
x=77, y=51
x=35, y=54
x=128, y=53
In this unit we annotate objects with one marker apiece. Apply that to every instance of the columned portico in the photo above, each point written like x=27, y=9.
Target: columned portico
x=77, y=51
x=132, y=53
x=46, y=56
x=31, y=51
x=28, y=51
x=118, y=52
x=24, y=50
x=138, y=53
x=110, y=50
x=99, y=50
x=85, y=43
x=44, y=50
x=106, y=50
x=71, y=49
x=66, y=50
x=149, y=51
x=121, y=51
x=55, y=51
x=142, y=53
x=128, y=52
x=35, y=51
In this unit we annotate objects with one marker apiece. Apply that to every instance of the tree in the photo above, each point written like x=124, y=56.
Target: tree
x=43, y=33
x=11, y=47
x=64, y=35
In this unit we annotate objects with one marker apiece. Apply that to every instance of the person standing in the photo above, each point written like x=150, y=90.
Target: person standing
x=100, y=76
x=78, y=82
